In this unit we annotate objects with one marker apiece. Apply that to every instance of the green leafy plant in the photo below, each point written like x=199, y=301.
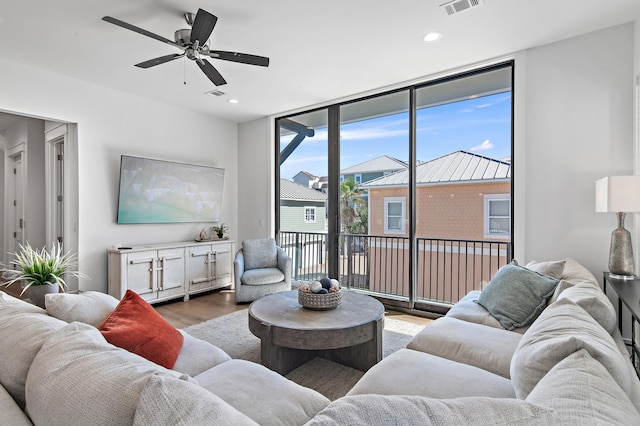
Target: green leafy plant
x=40, y=267
x=220, y=230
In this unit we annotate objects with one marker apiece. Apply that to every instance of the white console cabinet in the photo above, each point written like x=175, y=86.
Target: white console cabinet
x=167, y=271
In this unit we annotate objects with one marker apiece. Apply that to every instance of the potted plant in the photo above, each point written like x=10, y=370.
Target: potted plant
x=40, y=271
x=220, y=230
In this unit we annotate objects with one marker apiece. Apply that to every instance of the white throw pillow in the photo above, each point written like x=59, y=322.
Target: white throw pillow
x=90, y=307
x=551, y=269
x=562, y=329
x=581, y=391
x=23, y=329
x=595, y=302
x=78, y=378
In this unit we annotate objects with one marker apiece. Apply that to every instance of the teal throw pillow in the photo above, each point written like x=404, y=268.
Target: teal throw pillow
x=516, y=295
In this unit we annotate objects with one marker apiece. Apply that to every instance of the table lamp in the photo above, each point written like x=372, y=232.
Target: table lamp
x=619, y=194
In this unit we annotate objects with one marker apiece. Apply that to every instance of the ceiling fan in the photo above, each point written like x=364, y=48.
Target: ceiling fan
x=193, y=43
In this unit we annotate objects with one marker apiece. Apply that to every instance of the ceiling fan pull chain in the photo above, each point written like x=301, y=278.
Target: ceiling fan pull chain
x=184, y=71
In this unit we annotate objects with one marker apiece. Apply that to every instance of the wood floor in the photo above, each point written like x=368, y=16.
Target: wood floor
x=206, y=306
x=215, y=304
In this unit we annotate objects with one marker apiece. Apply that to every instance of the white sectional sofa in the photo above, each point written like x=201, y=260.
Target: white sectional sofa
x=55, y=372
x=569, y=366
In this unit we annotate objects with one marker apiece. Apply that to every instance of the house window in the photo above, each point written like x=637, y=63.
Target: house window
x=497, y=215
x=358, y=179
x=309, y=215
x=341, y=178
x=394, y=213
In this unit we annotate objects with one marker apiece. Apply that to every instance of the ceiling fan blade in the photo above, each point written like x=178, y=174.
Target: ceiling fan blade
x=157, y=61
x=243, y=58
x=213, y=74
x=202, y=26
x=140, y=31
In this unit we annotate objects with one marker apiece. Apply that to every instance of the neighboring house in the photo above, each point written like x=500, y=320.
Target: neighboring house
x=306, y=179
x=462, y=214
x=303, y=222
x=301, y=209
x=372, y=169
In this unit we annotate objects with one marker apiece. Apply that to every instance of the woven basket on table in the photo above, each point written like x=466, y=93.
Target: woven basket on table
x=320, y=302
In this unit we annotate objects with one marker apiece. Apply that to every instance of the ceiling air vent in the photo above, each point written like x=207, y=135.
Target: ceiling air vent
x=457, y=6
x=215, y=92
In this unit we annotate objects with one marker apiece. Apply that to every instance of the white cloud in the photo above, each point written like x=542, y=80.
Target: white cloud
x=484, y=146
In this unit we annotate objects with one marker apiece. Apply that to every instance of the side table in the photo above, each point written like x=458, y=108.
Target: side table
x=628, y=292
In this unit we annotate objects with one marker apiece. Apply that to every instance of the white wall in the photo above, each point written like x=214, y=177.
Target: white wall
x=256, y=154
x=573, y=126
x=111, y=123
x=579, y=128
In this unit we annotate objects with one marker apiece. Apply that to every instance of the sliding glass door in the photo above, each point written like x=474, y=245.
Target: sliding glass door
x=406, y=195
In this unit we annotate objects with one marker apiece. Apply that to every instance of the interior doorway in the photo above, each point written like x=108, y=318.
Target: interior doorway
x=39, y=182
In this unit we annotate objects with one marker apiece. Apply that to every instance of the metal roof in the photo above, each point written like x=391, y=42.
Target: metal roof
x=296, y=192
x=384, y=163
x=457, y=167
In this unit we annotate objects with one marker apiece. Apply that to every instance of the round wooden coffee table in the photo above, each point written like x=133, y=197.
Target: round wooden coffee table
x=291, y=335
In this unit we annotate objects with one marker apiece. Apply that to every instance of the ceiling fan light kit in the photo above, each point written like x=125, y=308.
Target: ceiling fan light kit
x=193, y=44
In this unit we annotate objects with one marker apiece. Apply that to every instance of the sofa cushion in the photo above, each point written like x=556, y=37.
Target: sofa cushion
x=198, y=355
x=260, y=253
x=574, y=272
x=169, y=401
x=485, y=347
x=562, y=329
x=593, y=300
x=516, y=295
x=551, y=269
x=581, y=391
x=416, y=410
x=78, y=378
x=23, y=329
x=262, y=276
x=274, y=399
x=135, y=326
x=409, y=372
x=90, y=307
x=12, y=414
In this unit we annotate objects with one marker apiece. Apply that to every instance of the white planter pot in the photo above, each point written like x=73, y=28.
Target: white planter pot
x=37, y=293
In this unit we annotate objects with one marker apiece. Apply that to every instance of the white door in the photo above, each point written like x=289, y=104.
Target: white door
x=17, y=208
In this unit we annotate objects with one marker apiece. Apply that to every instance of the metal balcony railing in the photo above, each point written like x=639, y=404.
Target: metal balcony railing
x=446, y=269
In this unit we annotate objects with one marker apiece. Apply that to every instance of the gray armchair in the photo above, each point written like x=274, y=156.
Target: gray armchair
x=261, y=268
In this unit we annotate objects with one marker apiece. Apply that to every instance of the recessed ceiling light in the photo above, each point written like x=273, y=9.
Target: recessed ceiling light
x=432, y=36
x=233, y=101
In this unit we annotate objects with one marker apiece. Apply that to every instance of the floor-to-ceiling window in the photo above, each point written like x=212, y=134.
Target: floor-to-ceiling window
x=416, y=186
x=302, y=191
x=374, y=145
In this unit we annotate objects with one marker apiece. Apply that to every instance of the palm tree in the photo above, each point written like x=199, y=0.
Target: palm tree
x=350, y=200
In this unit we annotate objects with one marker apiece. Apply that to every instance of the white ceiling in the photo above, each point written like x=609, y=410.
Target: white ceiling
x=319, y=50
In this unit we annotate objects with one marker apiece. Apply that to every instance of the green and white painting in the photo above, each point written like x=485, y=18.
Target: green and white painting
x=157, y=191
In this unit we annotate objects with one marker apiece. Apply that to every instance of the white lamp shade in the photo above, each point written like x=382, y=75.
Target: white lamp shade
x=618, y=194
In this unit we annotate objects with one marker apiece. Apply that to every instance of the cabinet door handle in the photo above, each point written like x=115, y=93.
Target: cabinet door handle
x=176, y=257
x=139, y=261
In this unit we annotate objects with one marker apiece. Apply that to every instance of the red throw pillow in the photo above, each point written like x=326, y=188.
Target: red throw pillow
x=135, y=326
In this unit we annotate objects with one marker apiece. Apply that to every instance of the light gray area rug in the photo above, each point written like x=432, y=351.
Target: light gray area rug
x=231, y=333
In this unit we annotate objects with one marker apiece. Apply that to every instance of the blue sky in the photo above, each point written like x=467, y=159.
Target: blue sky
x=481, y=125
